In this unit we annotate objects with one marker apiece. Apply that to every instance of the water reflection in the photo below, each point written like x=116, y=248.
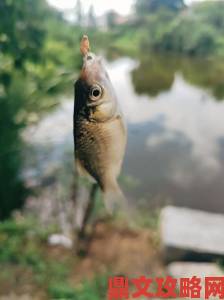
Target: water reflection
x=174, y=147
x=155, y=74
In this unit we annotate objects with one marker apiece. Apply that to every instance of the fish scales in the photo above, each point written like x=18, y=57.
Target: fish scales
x=99, y=150
x=99, y=128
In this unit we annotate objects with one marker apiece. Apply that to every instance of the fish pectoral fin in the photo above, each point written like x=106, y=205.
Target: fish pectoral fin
x=82, y=172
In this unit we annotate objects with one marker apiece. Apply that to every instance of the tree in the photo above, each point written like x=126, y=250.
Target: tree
x=22, y=35
x=92, y=17
x=21, y=29
x=150, y=6
x=79, y=13
x=37, y=57
x=111, y=18
x=211, y=12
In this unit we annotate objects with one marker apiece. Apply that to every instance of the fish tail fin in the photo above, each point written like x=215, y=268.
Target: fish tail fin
x=114, y=199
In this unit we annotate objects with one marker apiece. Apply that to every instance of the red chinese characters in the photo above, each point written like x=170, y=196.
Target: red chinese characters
x=139, y=288
x=190, y=287
x=214, y=287
x=166, y=288
x=118, y=288
x=142, y=285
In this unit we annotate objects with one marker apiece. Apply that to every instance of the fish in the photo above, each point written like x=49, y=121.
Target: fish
x=100, y=134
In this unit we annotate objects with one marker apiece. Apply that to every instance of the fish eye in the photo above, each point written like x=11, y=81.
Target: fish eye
x=95, y=92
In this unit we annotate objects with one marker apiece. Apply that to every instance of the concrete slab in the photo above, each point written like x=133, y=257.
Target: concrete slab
x=188, y=234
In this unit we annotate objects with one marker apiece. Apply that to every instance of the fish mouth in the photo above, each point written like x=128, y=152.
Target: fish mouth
x=93, y=63
x=89, y=58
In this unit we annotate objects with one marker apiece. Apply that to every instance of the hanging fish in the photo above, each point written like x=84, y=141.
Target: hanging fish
x=99, y=129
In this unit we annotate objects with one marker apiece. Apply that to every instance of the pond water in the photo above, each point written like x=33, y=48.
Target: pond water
x=175, y=118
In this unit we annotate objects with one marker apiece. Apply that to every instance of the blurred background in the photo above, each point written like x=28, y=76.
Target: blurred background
x=165, y=60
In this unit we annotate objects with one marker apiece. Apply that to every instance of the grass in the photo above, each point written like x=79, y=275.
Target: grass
x=96, y=289
x=25, y=254
x=23, y=247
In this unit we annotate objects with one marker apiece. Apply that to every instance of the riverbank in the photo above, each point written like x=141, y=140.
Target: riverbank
x=32, y=269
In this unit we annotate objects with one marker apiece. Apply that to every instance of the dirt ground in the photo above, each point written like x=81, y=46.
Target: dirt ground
x=110, y=249
x=120, y=250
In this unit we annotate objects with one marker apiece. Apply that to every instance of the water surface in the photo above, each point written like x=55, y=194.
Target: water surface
x=175, y=117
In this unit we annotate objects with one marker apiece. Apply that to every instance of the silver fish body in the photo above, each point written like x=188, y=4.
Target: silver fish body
x=99, y=129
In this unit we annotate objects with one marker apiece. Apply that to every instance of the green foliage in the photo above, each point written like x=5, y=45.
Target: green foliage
x=126, y=41
x=37, y=63
x=195, y=31
x=21, y=29
x=96, y=290
x=20, y=242
x=211, y=12
x=12, y=191
x=59, y=290
x=23, y=244
x=189, y=37
x=150, y=6
x=10, y=227
x=145, y=220
x=111, y=19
